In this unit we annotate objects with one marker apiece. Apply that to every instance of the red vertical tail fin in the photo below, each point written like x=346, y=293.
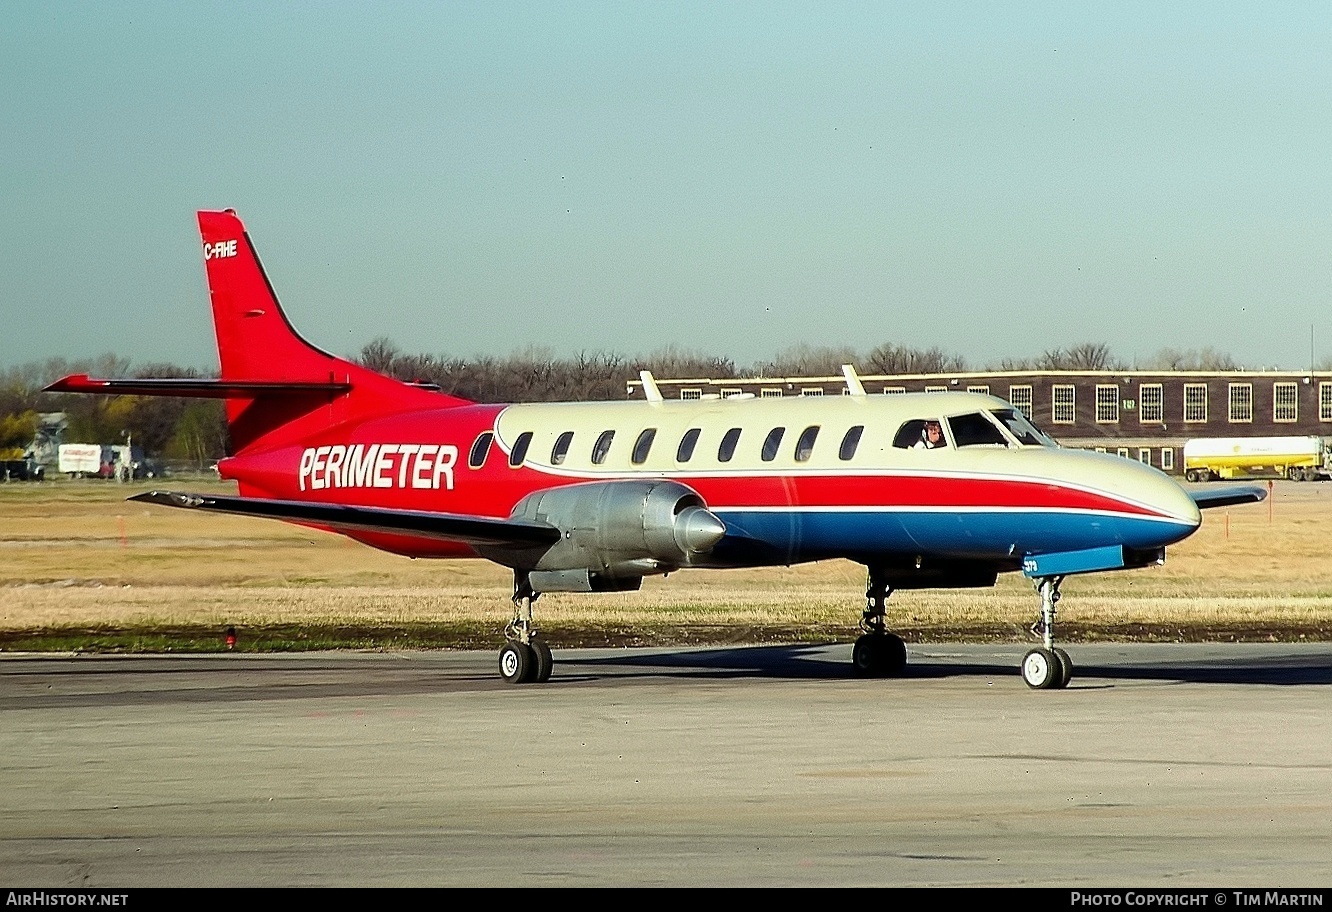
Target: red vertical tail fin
x=256, y=343
x=279, y=388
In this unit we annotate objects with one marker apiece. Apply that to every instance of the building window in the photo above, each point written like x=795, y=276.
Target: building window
x=1107, y=403
x=1020, y=398
x=1285, y=401
x=1123, y=451
x=1150, y=407
x=770, y=392
x=1065, y=403
x=692, y=392
x=936, y=389
x=1168, y=458
x=894, y=390
x=1144, y=455
x=1325, y=402
x=1241, y=403
x=1195, y=402
x=811, y=391
x=984, y=390
x=728, y=391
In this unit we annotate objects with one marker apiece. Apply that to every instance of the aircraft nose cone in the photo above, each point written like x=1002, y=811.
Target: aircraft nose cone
x=697, y=530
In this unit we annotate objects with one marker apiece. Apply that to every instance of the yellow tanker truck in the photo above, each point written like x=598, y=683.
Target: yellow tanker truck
x=1296, y=458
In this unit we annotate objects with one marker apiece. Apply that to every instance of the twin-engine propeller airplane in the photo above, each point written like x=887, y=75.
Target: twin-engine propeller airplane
x=939, y=490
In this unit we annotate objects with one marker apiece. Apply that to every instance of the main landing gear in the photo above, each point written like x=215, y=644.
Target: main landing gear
x=1047, y=667
x=878, y=653
x=525, y=657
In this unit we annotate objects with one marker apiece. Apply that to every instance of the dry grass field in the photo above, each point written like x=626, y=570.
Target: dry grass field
x=75, y=556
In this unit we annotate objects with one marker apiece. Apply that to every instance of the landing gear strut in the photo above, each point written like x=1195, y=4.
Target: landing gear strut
x=1047, y=667
x=877, y=653
x=525, y=657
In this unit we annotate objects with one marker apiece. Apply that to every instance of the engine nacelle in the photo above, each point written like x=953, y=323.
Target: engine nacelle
x=618, y=530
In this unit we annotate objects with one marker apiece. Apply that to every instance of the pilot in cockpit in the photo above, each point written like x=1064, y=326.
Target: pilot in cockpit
x=931, y=436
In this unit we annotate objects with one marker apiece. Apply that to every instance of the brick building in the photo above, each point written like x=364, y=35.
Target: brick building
x=1143, y=415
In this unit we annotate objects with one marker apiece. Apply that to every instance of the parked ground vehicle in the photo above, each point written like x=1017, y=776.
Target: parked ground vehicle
x=1297, y=458
x=97, y=460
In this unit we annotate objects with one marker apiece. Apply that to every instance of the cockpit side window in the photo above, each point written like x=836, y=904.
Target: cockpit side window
x=975, y=430
x=910, y=434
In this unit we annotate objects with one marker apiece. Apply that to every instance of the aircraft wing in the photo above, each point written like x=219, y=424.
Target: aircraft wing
x=1228, y=496
x=472, y=530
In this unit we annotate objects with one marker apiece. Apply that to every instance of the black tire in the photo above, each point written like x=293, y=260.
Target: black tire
x=895, y=656
x=1066, y=668
x=867, y=656
x=1041, y=669
x=545, y=662
x=1191, y=475
x=517, y=662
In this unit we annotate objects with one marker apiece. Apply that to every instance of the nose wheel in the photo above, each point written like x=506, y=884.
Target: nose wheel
x=1047, y=667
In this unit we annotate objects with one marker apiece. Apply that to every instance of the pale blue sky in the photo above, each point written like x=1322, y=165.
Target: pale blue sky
x=734, y=178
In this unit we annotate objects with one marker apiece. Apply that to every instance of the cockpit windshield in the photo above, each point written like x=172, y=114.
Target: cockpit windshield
x=1021, y=428
x=975, y=430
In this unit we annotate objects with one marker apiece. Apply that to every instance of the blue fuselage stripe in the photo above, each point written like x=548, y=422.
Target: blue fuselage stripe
x=972, y=533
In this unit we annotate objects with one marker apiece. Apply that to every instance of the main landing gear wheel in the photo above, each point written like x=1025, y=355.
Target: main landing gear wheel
x=525, y=657
x=545, y=662
x=878, y=653
x=1047, y=667
x=517, y=662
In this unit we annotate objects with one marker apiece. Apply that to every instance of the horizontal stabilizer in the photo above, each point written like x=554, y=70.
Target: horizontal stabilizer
x=194, y=388
x=472, y=530
x=1228, y=496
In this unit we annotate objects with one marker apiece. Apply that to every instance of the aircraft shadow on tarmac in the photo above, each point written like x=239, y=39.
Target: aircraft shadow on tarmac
x=814, y=662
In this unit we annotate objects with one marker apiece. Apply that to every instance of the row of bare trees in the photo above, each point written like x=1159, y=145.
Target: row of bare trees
x=195, y=430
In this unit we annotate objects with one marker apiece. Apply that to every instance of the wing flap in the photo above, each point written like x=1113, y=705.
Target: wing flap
x=472, y=530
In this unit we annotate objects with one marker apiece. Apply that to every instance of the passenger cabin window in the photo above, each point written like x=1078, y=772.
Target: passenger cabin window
x=561, y=448
x=975, y=430
x=850, y=440
x=643, y=446
x=805, y=445
x=480, y=450
x=728, y=444
x=519, y=451
x=685, y=451
x=772, y=443
x=602, y=447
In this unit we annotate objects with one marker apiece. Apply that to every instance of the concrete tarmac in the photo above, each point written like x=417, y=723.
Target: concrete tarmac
x=1161, y=766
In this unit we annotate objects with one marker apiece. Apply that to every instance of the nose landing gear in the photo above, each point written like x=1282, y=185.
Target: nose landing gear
x=1047, y=667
